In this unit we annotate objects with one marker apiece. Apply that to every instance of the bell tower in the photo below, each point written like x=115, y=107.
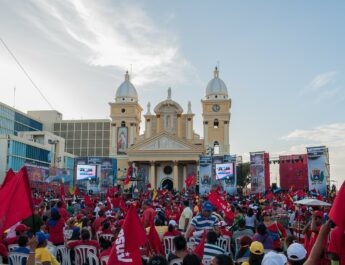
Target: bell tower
x=216, y=116
x=125, y=114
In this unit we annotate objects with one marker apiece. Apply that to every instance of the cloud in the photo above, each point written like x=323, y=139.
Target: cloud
x=121, y=36
x=322, y=80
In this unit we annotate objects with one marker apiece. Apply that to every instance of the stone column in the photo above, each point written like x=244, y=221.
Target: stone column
x=226, y=137
x=131, y=134
x=175, y=175
x=179, y=126
x=206, y=134
x=158, y=123
x=152, y=178
x=184, y=175
x=189, y=128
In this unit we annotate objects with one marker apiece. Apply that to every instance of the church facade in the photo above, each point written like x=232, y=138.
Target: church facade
x=169, y=149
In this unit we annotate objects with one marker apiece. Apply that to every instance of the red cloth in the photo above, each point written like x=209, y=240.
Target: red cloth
x=105, y=253
x=9, y=175
x=76, y=243
x=337, y=243
x=199, y=250
x=337, y=214
x=154, y=240
x=16, y=201
x=148, y=216
x=131, y=237
x=129, y=174
x=221, y=204
x=56, y=232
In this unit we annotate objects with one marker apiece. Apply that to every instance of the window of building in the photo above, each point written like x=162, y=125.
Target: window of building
x=123, y=124
x=216, y=148
x=215, y=123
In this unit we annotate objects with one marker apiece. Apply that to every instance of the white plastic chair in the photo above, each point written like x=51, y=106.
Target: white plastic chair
x=81, y=253
x=17, y=258
x=52, y=248
x=104, y=260
x=12, y=247
x=177, y=261
x=108, y=237
x=93, y=259
x=224, y=243
x=63, y=253
x=168, y=242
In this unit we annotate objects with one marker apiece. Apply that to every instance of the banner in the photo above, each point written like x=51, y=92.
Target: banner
x=257, y=172
x=122, y=140
x=318, y=168
x=293, y=172
x=205, y=174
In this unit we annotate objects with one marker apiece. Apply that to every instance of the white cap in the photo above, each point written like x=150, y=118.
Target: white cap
x=172, y=222
x=296, y=252
x=272, y=258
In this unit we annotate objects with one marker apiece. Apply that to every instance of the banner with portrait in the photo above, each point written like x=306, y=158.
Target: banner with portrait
x=318, y=171
x=257, y=172
x=205, y=174
x=122, y=140
x=228, y=170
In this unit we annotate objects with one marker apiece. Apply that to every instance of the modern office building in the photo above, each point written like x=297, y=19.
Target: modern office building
x=22, y=142
x=13, y=121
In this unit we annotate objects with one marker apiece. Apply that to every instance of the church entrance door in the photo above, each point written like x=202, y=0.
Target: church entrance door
x=167, y=184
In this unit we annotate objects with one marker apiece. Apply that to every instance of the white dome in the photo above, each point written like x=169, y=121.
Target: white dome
x=216, y=88
x=126, y=91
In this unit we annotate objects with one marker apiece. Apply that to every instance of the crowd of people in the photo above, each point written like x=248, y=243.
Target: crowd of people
x=261, y=229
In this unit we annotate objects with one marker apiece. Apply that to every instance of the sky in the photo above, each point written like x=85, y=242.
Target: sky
x=283, y=63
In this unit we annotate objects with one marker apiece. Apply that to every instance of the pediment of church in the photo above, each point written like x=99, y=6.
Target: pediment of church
x=163, y=141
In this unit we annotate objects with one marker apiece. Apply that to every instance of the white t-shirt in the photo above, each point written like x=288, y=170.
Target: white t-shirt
x=250, y=221
x=186, y=214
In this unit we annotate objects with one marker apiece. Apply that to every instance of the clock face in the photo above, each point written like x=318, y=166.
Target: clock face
x=216, y=107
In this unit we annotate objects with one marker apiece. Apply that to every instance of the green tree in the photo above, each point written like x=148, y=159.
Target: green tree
x=243, y=174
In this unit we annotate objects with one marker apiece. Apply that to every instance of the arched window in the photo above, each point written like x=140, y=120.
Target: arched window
x=215, y=123
x=216, y=148
x=123, y=124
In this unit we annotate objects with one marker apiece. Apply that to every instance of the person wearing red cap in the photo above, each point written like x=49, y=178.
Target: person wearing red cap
x=20, y=231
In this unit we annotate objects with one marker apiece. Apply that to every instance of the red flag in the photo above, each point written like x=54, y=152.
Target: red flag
x=9, y=175
x=337, y=213
x=129, y=174
x=199, y=250
x=16, y=201
x=131, y=237
x=190, y=181
x=154, y=240
x=221, y=204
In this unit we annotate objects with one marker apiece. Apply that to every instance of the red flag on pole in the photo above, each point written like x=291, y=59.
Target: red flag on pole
x=337, y=213
x=199, y=250
x=221, y=204
x=154, y=240
x=129, y=174
x=126, y=247
x=9, y=175
x=16, y=201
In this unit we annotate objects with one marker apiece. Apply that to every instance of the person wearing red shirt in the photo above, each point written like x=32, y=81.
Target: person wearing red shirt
x=63, y=212
x=98, y=221
x=55, y=227
x=85, y=240
x=172, y=231
x=148, y=215
x=336, y=246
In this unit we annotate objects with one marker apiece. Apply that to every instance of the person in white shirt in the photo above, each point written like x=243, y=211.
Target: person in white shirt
x=186, y=217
